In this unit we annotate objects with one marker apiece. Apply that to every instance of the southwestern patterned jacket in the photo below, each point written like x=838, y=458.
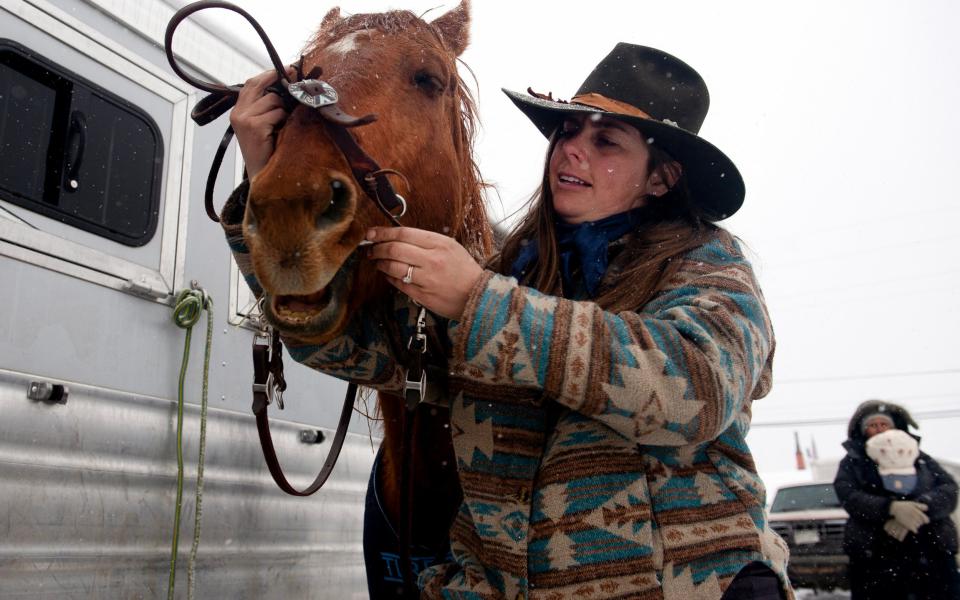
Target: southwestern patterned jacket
x=601, y=455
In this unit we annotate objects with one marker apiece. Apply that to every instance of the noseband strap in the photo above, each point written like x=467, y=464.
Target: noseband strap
x=368, y=174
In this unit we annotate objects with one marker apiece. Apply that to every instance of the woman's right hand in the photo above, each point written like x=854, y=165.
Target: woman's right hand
x=255, y=118
x=912, y=515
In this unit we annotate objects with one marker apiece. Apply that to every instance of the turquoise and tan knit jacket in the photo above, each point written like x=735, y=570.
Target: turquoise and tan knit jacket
x=601, y=455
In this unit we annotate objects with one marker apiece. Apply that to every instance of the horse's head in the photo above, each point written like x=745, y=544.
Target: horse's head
x=306, y=213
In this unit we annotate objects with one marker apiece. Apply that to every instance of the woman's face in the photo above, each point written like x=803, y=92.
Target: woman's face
x=877, y=425
x=599, y=168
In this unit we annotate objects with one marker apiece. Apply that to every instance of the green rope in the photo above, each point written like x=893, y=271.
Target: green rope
x=188, y=307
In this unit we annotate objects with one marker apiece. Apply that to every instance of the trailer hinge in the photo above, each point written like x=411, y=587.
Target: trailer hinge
x=142, y=288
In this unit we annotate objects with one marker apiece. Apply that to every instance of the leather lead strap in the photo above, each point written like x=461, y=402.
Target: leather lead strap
x=415, y=390
x=216, y=88
x=261, y=400
x=212, y=176
x=405, y=532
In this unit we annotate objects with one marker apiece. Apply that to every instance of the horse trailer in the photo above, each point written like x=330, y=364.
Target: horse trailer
x=102, y=175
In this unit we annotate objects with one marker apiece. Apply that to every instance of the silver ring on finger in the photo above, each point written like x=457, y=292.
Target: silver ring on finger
x=408, y=278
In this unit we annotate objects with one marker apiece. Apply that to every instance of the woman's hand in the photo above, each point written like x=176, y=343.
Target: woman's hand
x=255, y=118
x=912, y=515
x=442, y=274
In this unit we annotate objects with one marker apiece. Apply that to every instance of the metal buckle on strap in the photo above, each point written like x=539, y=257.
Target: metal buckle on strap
x=420, y=337
x=313, y=93
x=412, y=385
x=268, y=387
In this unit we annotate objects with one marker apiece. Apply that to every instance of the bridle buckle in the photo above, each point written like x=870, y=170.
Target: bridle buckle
x=314, y=93
x=269, y=386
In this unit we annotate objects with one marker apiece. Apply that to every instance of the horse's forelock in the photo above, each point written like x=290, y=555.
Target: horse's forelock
x=391, y=22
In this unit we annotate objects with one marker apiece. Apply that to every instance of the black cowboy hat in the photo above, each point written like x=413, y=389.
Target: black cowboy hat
x=665, y=99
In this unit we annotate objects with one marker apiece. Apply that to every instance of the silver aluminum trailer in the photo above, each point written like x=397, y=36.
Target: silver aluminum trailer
x=87, y=486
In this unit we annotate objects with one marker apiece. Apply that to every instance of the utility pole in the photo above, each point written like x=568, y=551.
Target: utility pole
x=801, y=464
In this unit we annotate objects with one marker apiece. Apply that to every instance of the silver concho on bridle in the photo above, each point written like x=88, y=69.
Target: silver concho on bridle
x=313, y=93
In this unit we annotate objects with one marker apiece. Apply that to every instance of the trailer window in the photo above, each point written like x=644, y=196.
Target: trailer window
x=73, y=151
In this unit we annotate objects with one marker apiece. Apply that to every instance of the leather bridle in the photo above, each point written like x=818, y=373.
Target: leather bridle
x=269, y=383
x=307, y=90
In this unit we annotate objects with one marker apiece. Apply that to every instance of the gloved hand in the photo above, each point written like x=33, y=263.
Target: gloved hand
x=895, y=530
x=912, y=515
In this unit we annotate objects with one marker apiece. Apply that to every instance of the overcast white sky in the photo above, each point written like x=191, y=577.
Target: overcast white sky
x=842, y=117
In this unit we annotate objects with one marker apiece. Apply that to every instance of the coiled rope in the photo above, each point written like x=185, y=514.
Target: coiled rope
x=187, y=308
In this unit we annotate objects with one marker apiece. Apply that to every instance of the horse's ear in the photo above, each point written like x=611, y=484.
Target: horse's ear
x=332, y=16
x=454, y=26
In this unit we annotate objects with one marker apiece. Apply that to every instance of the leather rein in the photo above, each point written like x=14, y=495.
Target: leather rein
x=269, y=382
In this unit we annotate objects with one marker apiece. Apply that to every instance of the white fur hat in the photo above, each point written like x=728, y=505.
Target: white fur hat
x=894, y=451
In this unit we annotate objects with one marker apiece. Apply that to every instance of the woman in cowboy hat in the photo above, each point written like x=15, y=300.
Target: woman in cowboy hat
x=604, y=362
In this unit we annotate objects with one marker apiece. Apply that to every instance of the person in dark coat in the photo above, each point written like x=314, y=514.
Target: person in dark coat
x=901, y=542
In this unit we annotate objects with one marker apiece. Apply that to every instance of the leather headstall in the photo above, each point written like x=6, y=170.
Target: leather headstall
x=309, y=91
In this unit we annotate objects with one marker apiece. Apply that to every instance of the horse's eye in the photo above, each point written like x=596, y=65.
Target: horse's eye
x=335, y=210
x=428, y=83
x=339, y=192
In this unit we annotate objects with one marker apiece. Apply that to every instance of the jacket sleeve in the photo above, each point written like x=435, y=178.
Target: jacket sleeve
x=362, y=354
x=941, y=500
x=858, y=502
x=680, y=371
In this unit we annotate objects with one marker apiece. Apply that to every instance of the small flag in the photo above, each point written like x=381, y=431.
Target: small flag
x=801, y=464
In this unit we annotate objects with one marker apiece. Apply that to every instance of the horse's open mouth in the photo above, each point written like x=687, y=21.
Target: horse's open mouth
x=316, y=313
x=300, y=309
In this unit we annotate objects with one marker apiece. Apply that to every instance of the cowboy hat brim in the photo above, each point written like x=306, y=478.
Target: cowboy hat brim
x=714, y=181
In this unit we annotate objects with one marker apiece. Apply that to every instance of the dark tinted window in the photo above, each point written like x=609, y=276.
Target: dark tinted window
x=805, y=497
x=73, y=151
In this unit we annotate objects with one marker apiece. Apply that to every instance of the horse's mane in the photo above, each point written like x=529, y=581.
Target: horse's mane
x=475, y=235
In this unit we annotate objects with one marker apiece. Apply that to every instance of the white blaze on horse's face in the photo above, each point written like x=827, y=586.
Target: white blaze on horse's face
x=347, y=44
x=307, y=212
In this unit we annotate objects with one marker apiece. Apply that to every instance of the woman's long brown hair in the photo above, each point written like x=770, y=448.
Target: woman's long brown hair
x=672, y=227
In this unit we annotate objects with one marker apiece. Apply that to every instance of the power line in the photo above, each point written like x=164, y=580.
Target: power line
x=932, y=414
x=950, y=237
x=862, y=377
x=914, y=398
x=858, y=288
x=899, y=218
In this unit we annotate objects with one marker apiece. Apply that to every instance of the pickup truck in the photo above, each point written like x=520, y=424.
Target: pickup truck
x=811, y=521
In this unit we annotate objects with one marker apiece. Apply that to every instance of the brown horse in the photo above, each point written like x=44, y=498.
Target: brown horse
x=306, y=214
